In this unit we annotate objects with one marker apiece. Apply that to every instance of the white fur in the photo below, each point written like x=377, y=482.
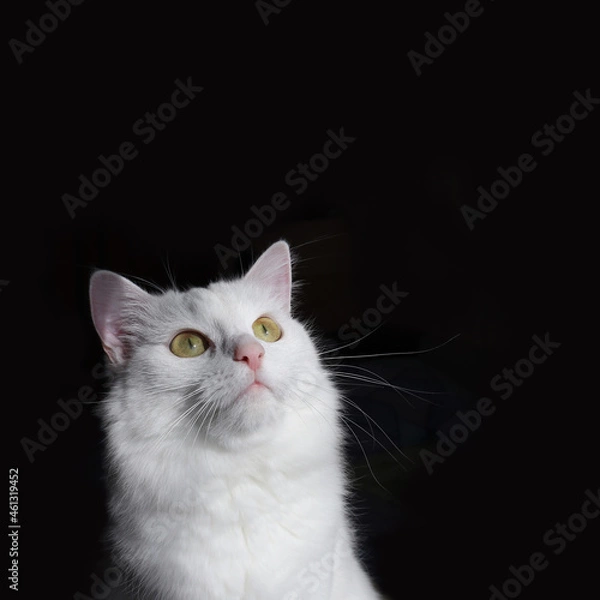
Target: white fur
x=245, y=503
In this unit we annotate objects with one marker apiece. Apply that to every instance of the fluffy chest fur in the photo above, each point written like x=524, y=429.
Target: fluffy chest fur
x=224, y=444
x=197, y=522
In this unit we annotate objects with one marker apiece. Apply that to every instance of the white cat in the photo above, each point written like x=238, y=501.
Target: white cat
x=224, y=443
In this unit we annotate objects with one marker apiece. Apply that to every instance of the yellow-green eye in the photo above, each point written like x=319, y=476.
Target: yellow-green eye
x=266, y=329
x=188, y=344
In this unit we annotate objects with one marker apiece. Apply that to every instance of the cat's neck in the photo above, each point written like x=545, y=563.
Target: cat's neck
x=305, y=446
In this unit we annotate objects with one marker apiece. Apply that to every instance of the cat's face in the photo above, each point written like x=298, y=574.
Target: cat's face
x=226, y=361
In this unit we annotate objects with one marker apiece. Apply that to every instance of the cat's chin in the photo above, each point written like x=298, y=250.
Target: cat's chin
x=255, y=391
x=248, y=419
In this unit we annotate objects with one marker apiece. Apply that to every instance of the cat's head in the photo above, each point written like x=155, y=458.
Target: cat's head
x=225, y=361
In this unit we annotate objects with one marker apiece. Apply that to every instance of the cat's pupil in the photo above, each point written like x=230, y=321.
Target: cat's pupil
x=265, y=330
x=191, y=343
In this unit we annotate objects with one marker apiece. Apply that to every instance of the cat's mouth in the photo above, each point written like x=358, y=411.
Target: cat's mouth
x=253, y=387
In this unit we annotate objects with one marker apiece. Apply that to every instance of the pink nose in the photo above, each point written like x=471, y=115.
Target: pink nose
x=251, y=352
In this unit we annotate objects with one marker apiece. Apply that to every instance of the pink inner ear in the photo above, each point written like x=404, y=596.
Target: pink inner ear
x=273, y=270
x=109, y=295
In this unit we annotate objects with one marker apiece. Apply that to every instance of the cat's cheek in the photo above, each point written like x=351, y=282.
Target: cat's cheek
x=306, y=383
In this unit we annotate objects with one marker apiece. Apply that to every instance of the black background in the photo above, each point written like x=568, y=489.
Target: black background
x=388, y=209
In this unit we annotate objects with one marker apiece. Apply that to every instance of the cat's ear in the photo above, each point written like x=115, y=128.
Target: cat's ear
x=273, y=271
x=112, y=298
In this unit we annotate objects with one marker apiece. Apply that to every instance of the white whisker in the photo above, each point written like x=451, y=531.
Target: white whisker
x=380, y=354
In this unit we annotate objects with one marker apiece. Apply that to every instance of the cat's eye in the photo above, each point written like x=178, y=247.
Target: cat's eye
x=188, y=344
x=266, y=329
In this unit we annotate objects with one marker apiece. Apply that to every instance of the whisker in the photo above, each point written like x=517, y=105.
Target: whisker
x=241, y=264
x=397, y=389
x=404, y=389
x=210, y=403
x=367, y=460
x=169, y=406
x=214, y=412
x=147, y=282
x=344, y=420
x=380, y=444
x=352, y=343
x=379, y=354
x=369, y=420
x=204, y=408
x=382, y=381
x=169, y=272
x=314, y=408
x=317, y=240
x=178, y=420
